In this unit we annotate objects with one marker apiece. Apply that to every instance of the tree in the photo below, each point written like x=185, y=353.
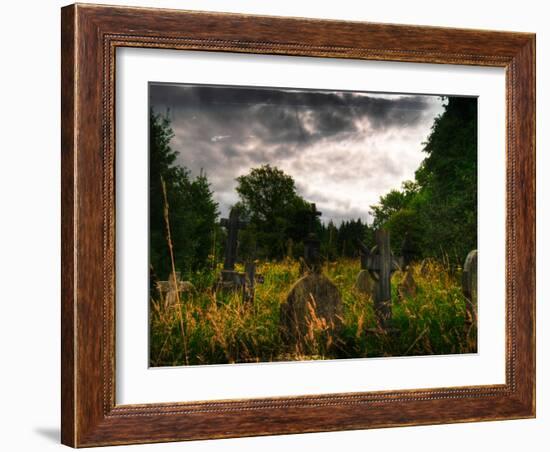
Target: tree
x=276, y=212
x=393, y=202
x=192, y=210
x=438, y=210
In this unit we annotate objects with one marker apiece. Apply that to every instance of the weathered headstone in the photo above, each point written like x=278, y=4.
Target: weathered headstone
x=469, y=282
x=314, y=300
x=407, y=286
x=249, y=287
x=153, y=284
x=171, y=289
x=381, y=264
x=364, y=282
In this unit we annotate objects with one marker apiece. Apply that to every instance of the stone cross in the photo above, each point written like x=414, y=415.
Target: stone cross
x=232, y=224
x=231, y=279
x=173, y=287
x=312, y=245
x=381, y=264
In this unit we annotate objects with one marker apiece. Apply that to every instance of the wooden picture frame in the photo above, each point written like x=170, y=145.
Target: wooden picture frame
x=90, y=36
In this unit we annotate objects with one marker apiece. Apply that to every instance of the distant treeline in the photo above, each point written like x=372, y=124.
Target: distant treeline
x=437, y=211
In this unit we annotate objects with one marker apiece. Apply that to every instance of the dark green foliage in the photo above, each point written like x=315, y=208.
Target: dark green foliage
x=439, y=209
x=275, y=211
x=192, y=210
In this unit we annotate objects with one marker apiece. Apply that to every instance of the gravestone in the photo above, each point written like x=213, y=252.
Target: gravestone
x=231, y=279
x=381, y=263
x=313, y=301
x=364, y=282
x=251, y=277
x=153, y=283
x=229, y=276
x=407, y=286
x=469, y=282
x=171, y=289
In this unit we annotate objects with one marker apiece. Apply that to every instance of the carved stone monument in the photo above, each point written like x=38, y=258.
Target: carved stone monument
x=364, y=282
x=313, y=301
x=381, y=264
x=407, y=287
x=231, y=279
x=469, y=282
x=171, y=289
x=229, y=276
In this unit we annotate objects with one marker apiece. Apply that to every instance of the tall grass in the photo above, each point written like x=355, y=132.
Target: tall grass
x=207, y=326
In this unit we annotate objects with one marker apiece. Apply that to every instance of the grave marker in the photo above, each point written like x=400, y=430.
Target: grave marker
x=381, y=264
x=469, y=282
x=232, y=225
x=313, y=301
x=171, y=289
x=364, y=282
x=231, y=279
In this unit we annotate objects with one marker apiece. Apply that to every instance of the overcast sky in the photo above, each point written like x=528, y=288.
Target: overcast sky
x=343, y=149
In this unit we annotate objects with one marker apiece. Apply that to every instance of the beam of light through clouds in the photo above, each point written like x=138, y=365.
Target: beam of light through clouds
x=343, y=149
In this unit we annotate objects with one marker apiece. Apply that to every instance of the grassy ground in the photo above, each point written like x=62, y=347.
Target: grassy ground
x=214, y=328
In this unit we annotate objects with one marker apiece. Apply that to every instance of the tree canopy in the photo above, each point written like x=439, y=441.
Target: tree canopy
x=276, y=212
x=438, y=210
x=192, y=211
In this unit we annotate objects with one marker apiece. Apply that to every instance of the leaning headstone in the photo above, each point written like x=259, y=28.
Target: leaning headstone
x=407, y=286
x=313, y=301
x=364, y=283
x=469, y=282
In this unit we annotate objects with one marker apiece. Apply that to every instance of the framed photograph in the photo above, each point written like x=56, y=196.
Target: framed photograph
x=280, y=225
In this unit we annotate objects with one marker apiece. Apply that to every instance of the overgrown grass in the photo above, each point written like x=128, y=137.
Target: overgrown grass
x=209, y=327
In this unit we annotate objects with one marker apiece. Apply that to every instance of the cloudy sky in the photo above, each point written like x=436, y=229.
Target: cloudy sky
x=344, y=149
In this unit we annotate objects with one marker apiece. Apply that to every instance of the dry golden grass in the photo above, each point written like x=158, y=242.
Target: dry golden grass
x=213, y=327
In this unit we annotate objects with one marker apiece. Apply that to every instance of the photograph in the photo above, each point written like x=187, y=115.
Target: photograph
x=291, y=224
x=268, y=223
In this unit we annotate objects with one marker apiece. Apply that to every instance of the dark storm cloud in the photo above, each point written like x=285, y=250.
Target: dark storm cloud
x=227, y=130
x=287, y=116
